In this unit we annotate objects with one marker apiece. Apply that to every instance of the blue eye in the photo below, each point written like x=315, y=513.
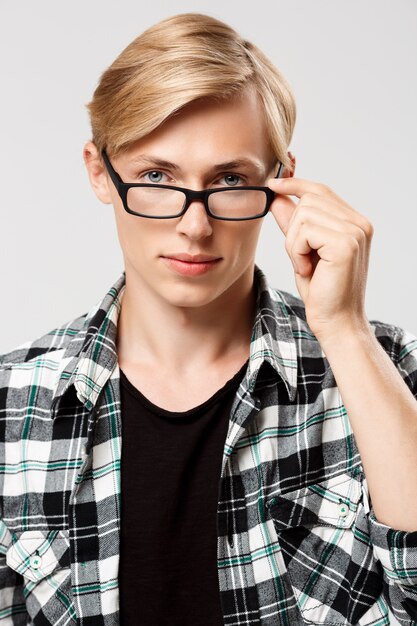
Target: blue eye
x=233, y=176
x=154, y=174
x=152, y=180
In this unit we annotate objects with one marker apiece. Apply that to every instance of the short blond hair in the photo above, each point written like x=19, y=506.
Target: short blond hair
x=179, y=59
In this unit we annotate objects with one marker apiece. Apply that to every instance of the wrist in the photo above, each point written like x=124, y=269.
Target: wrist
x=333, y=337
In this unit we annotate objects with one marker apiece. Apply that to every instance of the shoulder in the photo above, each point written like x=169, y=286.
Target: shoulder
x=292, y=305
x=399, y=343
x=29, y=374
x=50, y=345
x=391, y=336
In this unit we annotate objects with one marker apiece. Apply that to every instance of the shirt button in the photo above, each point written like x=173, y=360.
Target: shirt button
x=343, y=509
x=35, y=561
x=83, y=451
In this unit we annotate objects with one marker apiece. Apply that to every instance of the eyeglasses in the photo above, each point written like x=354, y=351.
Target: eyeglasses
x=159, y=201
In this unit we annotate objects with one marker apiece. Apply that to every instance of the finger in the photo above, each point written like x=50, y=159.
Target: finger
x=331, y=246
x=335, y=207
x=322, y=217
x=282, y=209
x=298, y=186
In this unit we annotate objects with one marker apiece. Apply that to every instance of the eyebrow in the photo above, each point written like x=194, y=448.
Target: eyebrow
x=227, y=165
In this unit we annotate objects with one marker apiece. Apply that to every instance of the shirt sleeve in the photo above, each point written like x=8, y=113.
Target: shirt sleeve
x=396, y=549
x=12, y=602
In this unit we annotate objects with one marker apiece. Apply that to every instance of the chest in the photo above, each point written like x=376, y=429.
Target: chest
x=178, y=392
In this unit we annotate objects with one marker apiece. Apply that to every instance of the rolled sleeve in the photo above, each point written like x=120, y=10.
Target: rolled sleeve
x=405, y=344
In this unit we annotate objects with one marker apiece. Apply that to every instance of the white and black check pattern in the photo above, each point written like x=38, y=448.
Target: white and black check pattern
x=298, y=542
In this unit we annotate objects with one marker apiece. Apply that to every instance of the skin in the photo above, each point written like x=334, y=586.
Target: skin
x=172, y=327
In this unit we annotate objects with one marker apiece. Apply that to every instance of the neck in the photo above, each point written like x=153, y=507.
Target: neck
x=153, y=332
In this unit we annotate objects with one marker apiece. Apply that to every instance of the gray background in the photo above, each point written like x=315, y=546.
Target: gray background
x=352, y=66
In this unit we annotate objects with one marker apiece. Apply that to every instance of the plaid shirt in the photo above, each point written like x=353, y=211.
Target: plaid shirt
x=298, y=541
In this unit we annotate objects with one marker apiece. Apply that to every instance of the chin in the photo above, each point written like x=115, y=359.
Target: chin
x=191, y=296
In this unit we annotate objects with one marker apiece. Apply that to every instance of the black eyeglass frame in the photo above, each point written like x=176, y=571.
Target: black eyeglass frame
x=190, y=194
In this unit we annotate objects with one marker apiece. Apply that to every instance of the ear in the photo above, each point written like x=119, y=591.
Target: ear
x=290, y=173
x=98, y=175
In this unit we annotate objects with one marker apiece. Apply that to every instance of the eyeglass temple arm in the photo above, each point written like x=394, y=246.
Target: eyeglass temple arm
x=280, y=170
x=113, y=174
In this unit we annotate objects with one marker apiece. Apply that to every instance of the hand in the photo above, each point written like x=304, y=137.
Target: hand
x=328, y=243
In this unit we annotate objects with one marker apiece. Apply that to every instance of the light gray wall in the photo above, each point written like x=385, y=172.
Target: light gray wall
x=352, y=66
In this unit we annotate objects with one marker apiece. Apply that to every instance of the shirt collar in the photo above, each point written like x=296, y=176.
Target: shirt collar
x=272, y=336
x=91, y=355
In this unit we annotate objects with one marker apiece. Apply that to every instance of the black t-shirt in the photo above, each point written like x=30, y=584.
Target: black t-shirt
x=170, y=473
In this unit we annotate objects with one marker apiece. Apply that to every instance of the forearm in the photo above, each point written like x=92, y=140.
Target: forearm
x=383, y=415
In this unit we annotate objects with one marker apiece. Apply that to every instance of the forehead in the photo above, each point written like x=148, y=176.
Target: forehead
x=208, y=132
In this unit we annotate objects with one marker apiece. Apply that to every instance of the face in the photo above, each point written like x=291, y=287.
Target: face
x=201, y=135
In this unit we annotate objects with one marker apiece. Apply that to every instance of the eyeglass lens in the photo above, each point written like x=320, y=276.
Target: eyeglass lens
x=226, y=203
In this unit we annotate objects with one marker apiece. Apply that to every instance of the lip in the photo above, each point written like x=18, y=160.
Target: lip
x=190, y=268
x=191, y=258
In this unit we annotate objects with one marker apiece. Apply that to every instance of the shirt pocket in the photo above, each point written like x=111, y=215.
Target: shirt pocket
x=42, y=558
x=322, y=532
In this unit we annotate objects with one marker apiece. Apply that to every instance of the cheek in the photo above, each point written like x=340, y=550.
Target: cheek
x=134, y=233
x=238, y=231
x=247, y=236
x=123, y=224
x=239, y=244
x=142, y=238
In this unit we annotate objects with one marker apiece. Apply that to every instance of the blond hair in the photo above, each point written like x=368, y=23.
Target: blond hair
x=179, y=59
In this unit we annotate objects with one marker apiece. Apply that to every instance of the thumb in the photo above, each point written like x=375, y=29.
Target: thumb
x=282, y=208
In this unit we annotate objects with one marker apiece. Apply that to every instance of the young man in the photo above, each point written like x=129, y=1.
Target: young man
x=201, y=448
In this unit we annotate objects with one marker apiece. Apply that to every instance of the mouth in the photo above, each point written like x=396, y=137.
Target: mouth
x=193, y=267
x=192, y=258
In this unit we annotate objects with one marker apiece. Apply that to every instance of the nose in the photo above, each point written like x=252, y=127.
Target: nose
x=195, y=223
